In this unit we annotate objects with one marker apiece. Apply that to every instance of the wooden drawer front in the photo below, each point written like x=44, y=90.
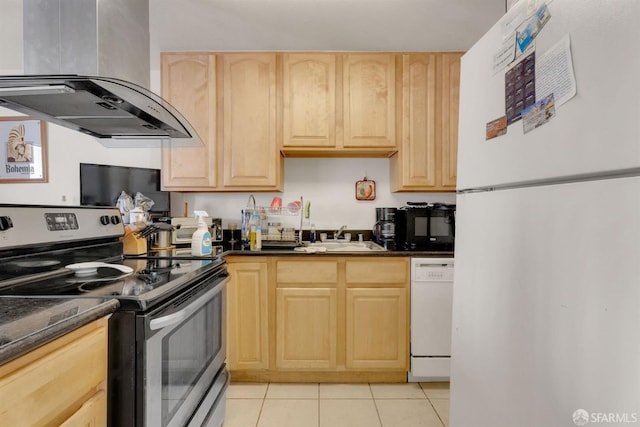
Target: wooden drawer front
x=92, y=414
x=307, y=272
x=306, y=328
x=52, y=388
x=383, y=271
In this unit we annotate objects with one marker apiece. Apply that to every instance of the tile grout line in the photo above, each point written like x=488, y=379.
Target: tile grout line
x=375, y=405
x=266, y=390
x=436, y=411
x=431, y=403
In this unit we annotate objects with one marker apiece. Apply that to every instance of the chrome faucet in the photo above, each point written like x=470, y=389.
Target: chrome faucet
x=339, y=231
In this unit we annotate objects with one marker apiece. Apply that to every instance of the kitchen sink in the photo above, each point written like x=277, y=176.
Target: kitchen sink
x=346, y=246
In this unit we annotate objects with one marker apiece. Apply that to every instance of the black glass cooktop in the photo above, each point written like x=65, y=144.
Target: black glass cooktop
x=151, y=279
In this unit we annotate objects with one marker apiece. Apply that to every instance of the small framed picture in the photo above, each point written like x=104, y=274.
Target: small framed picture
x=23, y=150
x=365, y=189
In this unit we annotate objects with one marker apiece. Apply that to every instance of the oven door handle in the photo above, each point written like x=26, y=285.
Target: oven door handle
x=179, y=316
x=168, y=320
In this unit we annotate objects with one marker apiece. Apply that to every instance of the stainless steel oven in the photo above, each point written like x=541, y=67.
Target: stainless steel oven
x=166, y=340
x=178, y=352
x=184, y=349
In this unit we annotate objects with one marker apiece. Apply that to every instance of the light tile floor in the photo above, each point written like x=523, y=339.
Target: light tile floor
x=338, y=405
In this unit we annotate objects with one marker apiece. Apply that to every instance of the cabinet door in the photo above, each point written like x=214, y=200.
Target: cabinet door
x=247, y=316
x=449, y=120
x=427, y=157
x=369, y=99
x=309, y=100
x=251, y=155
x=306, y=334
x=417, y=155
x=189, y=84
x=377, y=327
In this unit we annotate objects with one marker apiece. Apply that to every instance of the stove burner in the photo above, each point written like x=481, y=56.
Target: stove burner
x=92, y=286
x=31, y=266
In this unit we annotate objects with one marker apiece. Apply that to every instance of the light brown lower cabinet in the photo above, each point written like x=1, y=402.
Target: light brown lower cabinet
x=376, y=328
x=61, y=383
x=306, y=330
x=330, y=319
x=247, y=311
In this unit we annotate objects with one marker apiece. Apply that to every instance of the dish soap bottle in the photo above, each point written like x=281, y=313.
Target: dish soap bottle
x=201, y=239
x=254, y=229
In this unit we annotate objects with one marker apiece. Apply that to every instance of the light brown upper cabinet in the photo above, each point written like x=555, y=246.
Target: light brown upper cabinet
x=369, y=99
x=449, y=119
x=230, y=99
x=339, y=104
x=250, y=150
x=427, y=156
x=189, y=84
x=309, y=100
x=252, y=108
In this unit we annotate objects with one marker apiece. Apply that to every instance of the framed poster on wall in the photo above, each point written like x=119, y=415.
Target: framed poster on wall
x=23, y=150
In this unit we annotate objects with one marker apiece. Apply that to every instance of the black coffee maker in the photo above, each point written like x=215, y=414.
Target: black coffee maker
x=384, y=230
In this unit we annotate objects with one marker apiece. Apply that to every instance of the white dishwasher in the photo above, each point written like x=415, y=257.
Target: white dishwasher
x=431, y=306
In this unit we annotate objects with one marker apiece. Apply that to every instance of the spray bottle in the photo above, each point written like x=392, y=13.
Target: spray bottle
x=201, y=239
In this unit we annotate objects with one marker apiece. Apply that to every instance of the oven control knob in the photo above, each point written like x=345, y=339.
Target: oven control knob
x=115, y=219
x=104, y=220
x=5, y=223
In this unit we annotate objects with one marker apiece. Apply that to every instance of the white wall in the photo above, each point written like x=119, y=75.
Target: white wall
x=329, y=184
x=66, y=150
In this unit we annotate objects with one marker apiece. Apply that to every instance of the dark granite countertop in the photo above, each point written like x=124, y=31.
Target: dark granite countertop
x=387, y=253
x=28, y=323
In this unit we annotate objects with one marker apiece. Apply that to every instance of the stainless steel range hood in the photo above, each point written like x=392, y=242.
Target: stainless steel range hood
x=86, y=66
x=99, y=106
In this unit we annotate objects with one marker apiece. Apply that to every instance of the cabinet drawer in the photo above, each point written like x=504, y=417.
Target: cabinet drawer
x=307, y=272
x=52, y=388
x=92, y=414
x=379, y=271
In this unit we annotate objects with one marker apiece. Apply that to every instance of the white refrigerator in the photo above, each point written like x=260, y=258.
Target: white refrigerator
x=546, y=304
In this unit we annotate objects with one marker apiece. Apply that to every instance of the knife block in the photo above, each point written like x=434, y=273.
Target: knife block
x=134, y=245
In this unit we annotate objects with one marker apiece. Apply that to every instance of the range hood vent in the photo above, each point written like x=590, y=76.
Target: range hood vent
x=99, y=106
x=86, y=65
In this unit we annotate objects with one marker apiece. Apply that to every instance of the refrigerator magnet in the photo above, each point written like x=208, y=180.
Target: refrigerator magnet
x=365, y=189
x=497, y=127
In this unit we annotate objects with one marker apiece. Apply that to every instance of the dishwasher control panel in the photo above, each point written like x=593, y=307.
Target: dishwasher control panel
x=432, y=270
